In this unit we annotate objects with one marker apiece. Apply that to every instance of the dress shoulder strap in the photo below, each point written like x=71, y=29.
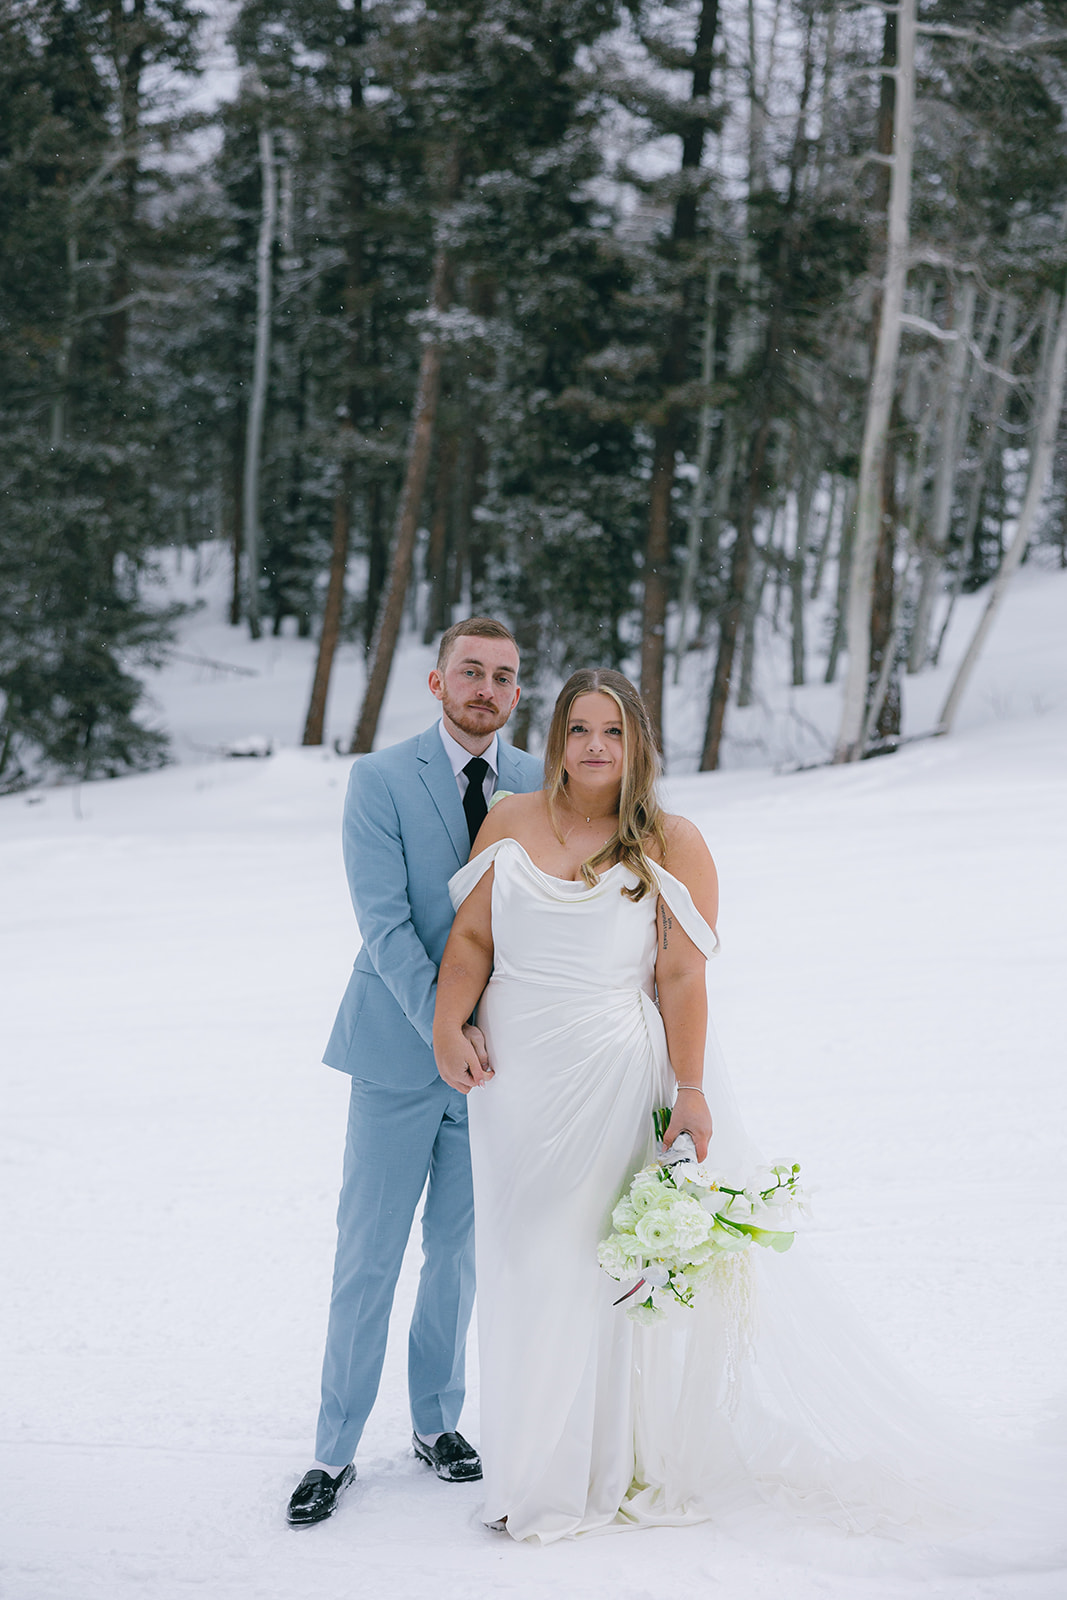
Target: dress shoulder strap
x=677, y=896
x=467, y=878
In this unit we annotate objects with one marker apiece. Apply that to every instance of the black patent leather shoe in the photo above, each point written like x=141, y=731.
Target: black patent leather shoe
x=452, y=1458
x=316, y=1495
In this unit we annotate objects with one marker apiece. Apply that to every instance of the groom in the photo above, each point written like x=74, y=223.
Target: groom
x=411, y=814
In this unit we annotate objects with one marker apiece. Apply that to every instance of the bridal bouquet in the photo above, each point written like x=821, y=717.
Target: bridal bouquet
x=679, y=1223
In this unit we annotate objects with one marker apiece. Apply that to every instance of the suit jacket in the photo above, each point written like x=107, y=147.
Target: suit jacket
x=405, y=834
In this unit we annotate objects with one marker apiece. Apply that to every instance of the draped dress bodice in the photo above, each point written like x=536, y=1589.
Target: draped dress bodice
x=580, y=1057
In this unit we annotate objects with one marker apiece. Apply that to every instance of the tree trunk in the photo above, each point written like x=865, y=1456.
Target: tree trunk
x=844, y=569
x=824, y=541
x=478, y=464
x=260, y=368
x=880, y=398
x=884, y=686
x=353, y=321
x=129, y=32
x=731, y=614
x=805, y=496
x=700, y=483
x=757, y=579
x=990, y=428
x=1040, y=469
x=935, y=544
x=332, y=610
x=829, y=56
x=875, y=724
x=437, y=549
x=407, y=521
x=65, y=347
x=236, y=468
x=672, y=373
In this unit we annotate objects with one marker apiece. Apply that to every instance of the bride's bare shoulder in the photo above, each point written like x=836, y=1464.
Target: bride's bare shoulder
x=683, y=838
x=510, y=816
x=518, y=807
x=688, y=859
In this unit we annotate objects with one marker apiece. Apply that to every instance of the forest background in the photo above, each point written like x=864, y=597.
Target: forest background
x=670, y=332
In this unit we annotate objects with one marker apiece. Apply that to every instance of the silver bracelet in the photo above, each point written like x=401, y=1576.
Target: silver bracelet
x=694, y=1086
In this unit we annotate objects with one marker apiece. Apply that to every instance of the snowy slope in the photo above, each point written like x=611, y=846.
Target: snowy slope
x=173, y=948
x=221, y=687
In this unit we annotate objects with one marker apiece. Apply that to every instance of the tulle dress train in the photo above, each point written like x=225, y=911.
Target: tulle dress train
x=767, y=1393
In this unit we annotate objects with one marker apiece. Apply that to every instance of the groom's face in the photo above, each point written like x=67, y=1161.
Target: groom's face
x=478, y=687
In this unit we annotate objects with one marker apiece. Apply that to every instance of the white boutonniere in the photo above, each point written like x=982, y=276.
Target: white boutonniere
x=501, y=794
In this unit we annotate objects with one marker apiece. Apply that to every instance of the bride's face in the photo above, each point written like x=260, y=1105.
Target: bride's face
x=595, y=754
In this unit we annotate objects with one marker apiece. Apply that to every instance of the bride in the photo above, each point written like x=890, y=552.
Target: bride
x=584, y=922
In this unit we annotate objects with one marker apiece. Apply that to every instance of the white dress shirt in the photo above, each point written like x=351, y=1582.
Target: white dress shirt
x=459, y=758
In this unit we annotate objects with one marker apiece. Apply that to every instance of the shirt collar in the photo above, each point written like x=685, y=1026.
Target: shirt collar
x=459, y=757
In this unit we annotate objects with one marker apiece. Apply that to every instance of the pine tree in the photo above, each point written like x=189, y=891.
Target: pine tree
x=80, y=494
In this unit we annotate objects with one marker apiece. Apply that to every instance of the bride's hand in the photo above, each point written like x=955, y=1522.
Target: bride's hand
x=474, y=1036
x=690, y=1115
x=462, y=1060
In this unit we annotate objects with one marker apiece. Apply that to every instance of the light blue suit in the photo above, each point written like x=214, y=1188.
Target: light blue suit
x=405, y=834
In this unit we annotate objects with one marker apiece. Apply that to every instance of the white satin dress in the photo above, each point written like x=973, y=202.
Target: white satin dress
x=592, y=1423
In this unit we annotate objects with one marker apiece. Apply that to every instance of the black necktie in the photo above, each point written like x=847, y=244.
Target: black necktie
x=474, y=804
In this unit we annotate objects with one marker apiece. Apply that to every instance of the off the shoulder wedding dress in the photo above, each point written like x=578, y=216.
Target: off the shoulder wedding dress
x=771, y=1395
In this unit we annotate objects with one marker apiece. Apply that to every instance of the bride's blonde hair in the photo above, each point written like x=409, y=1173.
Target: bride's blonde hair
x=640, y=813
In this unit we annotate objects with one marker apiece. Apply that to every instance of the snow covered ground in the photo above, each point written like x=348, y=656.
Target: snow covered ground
x=173, y=948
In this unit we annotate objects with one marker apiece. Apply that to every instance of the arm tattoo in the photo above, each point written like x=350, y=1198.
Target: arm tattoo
x=668, y=923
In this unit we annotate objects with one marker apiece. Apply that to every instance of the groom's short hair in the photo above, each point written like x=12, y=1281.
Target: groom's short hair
x=472, y=628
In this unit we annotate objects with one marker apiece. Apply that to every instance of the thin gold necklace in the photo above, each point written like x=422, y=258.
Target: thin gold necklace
x=577, y=813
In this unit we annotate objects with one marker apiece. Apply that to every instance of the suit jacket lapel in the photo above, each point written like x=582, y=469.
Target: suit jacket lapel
x=435, y=769
x=510, y=775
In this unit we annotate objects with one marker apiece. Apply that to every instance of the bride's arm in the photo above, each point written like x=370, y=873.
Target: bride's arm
x=680, y=970
x=464, y=972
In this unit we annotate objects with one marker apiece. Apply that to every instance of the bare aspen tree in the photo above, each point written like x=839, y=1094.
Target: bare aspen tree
x=826, y=533
x=825, y=99
x=889, y=656
x=951, y=430
x=1044, y=447
x=844, y=569
x=880, y=398
x=989, y=428
x=805, y=497
x=257, y=404
x=672, y=374
x=757, y=577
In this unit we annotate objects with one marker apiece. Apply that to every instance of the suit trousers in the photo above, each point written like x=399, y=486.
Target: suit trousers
x=399, y=1141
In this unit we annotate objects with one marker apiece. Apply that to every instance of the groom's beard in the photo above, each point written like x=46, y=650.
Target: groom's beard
x=475, y=717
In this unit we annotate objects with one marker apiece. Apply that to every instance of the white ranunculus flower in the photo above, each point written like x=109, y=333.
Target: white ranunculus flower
x=647, y=1191
x=656, y=1231
x=614, y=1257
x=692, y=1225
x=645, y=1315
